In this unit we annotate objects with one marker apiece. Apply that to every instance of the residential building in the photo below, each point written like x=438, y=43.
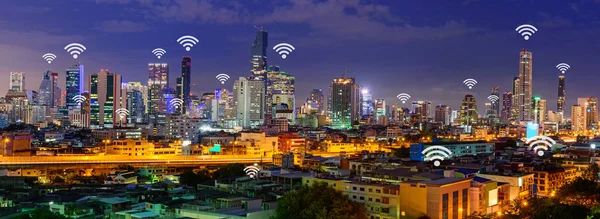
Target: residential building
x=17, y=81
x=380, y=200
x=344, y=102
x=182, y=127
x=525, y=98
x=437, y=199
x=578, y=119
x=248, y=96
x=105, y=99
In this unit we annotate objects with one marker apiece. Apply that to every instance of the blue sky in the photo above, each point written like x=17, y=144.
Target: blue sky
x=423, y=48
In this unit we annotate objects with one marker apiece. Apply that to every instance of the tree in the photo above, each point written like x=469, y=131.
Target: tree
x=543, y=208
x=40, y=213
x=230, y=170
x=580, y=191
x=591, y=173
x=193, y=179
x=318, y=201
x=403, y=152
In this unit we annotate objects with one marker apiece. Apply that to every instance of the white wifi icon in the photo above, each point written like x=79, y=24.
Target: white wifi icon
x=540, y=143
x=75, y=49
x=436, y=154
x=470, y=82
x=79, y=99
x=403, y=97
x=158, y=52
x=284, y=49
x=222, y=78
x=122, y=112
x=493, y=98
x=563, y=67
x=188, y=42
x=526, y=30
x=176, y=102
x=252, y=171
x=49, y=57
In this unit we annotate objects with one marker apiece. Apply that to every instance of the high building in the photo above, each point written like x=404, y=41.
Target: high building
x=507, y=98
x=183, y=83
x=591, y=113
x=468, y=111
x=158, y=79
x=525, y=95
x=366, y=103
x=496, y=104
x=45, y=92
x=381, y=111
x=562, y=94
x=442, y=114
x=317, y=100
x=539, y=112
x=248, y=96
x=344, y=102
x=280, y=91
x=17, y=81
x=258, y=54
x=578, y=125
x=105, y=100
x=182, y=127
x=56, y=92
x=516, y=92
x=137, y=97
x=74, y=85
x=421, y=111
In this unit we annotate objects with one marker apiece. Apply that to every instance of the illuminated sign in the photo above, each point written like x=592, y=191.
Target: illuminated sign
x=216, y=148
x=532, y=130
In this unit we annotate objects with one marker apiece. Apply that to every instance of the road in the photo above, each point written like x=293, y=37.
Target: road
x=117, y=159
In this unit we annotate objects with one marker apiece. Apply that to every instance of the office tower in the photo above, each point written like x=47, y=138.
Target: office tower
x=442, y=114
x=366, y=103
x=454, y=117
x=17, y=81
x=45, y=91
x=183, y=84
x=158, y=79
x=525, y=94
x=539, y=112
x=421, y=111
x=136, y=101
x=258, y=54
x=280, y=91
x=380, y=111
x=551, y=116
x=169, y=94
x=56, y=92
x=496, y=105
x=74, y=85
x=206, y=105
x=562, y=94
x=318, y=100
x=105, y=100
x=578, y=125
x=591, y=113
x=249, y=95
x=344, y=102
x=507, y=98
x=468, y=111
x=514, y=114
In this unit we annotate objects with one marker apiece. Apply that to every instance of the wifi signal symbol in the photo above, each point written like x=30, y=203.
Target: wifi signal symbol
x=122, y=112
x=403, y=97
x=79, y=99
x=436, y=153
x=252, y=171
x=284, y=49
x=188, y=42
x=493, y=98
x=222, y=78
x=526, y=30
x=540, y=144
x=158, y=52
x=470, y=82
x=75, y=49
x=563, y=67
x=176, y=102
x=49, y=57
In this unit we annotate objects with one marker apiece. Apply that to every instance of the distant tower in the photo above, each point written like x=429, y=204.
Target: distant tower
x=507, y=98
x=17, y=81
x=74, y=84
x=183, y=83
x=344, y=106
x=158, y=79
x=562, y=94
x=468, y=111
x=525, y=95
x=496, y=105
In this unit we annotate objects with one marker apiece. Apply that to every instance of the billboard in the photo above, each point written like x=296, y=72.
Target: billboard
x=532, y=130
x=216, y=148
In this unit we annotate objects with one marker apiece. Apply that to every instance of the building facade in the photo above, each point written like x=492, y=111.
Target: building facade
x=344, y=102
x=105, y=99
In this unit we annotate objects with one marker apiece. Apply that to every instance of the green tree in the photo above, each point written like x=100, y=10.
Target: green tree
x=230, y=170
x=591, y=173
x=543, y=208
x=581, y=191
x=40, y=213
x=192, y=179
x=318, y=202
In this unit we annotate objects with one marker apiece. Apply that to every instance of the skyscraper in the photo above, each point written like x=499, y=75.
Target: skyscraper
x=158, y=79
x=45, y=92
x=137, y=97
x=183, y=83
x=526, y=77
x=496, y=104
x=591, y=113
x=74, y=84
x=578, y=119
x=248, y=96
x=380, y=110
x=318, y=100
x=442, y=114
x=56, y=92
x=366, y=103
x=421, y=111
x=105, y=100
x=516, y=93
x=258, y=54
x=344, y=102
x=562, y=94
x=539, y=111
x=17, y=81
x=507, y=98
x=468, y=111
x=280, y=87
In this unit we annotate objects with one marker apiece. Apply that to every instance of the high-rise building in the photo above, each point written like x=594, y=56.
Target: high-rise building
x=158, y=79
x=507, y=98
x=105, y=100
x=317, y=100
x=578, y=125
x=74, y=85
x=258, y=54
x=137, y=97
x=539, y=112
x=45, y=92
x=17, y=81
x=421, y=111
x=183, y=83
x=380, y=110
x=344, y=102
x=442, y=114
x=366, y=103
x=525, y=95
x=562, y=94
x=591, y=113
x=468, y=111
x=280, y=91
x=514, y=114
x=248, y=96
x=496, y=104
x=56, y=93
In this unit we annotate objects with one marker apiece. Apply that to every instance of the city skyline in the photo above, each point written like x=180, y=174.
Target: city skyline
x=435, y=49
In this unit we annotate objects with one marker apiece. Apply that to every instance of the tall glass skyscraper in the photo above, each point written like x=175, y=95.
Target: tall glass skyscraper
x=105, y=99
x=562, y=94
x=46, y=90
x=258, y=54
x=158, y=79
x=74, y=84
x=183, y=83
x=344, y=103
x=525, y=95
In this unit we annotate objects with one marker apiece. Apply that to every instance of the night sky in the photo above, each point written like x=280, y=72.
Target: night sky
x=423, y=48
